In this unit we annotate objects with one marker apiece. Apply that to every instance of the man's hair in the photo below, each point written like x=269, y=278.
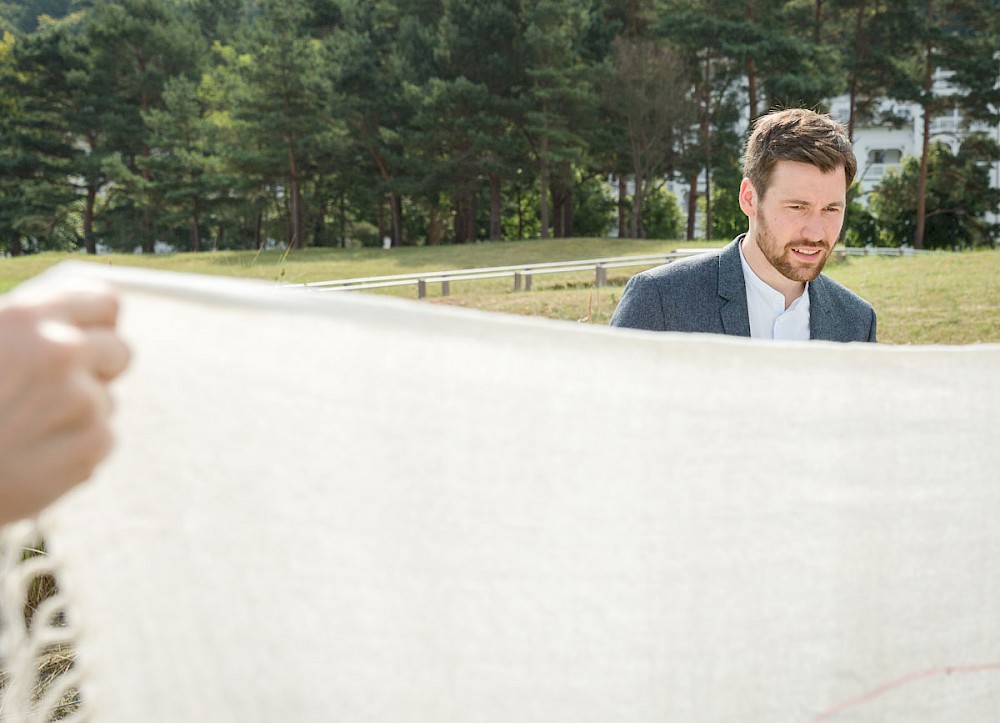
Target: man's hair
x=797, y=134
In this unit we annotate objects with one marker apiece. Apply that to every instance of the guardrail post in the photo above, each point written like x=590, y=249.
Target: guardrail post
x=527, y=281
x=517, y=281
x=421, y=288
x=445, y=287
x=601, y=277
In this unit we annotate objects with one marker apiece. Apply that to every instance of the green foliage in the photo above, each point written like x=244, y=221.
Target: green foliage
x=728, y=219
x=37, y=150
x=594, y=208
x=647, y=93
x=521, y=220
x=958, y=197
x=861, y=228
x=661, y=216
x=24, y=15
x=248, y=123
x=187, y=177
x=860, y=225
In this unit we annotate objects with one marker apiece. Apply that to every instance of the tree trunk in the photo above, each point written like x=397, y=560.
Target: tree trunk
x=858, y=52
x=543, y=186
x=343, y=219
x=567, y=214
x=925, y=146
x=496, y=208
x=751, y=65
x=318, y=225
x=295, y=241
x=396, y=206
x=465, y=217
x=633, y=12
x=692, y=205
x=195, y=232
x=635, y=220
x=520, y=214
x=706, y=140
x=622, y=205
x=562, y=209
x=380, y=221
x=708, y=199
x=148, y=226
x=88, y=219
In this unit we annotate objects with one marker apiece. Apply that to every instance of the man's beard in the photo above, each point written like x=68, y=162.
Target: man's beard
x=779, y=256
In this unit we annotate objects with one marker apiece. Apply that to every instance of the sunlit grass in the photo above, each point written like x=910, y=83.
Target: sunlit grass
x=941, y=298
x=315, y=264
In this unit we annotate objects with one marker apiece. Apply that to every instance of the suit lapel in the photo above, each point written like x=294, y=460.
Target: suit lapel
x=822, y=324
x=733, y=292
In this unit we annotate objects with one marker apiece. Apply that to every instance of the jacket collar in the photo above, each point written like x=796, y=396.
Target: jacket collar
x=732, y=289
x=822, y=323
x=735, y=315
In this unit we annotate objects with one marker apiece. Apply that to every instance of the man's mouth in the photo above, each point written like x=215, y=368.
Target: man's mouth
x=807, y=252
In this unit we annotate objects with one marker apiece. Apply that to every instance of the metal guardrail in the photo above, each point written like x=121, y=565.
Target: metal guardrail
x=880, y=251
x=522, y=274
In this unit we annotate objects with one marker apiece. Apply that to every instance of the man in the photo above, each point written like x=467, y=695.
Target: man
x=767, y=284
x=59, y=350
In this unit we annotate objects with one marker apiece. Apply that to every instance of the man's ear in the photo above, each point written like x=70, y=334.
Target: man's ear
x=748, y=198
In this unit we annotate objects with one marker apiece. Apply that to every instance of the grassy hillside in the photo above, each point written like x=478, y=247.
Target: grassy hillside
x=934, y=299
x=315, y=264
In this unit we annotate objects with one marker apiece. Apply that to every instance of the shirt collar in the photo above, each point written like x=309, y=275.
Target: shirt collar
x=766, y=292
x=768, y=317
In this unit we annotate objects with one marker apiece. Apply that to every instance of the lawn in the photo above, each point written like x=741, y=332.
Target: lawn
x=941, y=298
x=315, y=264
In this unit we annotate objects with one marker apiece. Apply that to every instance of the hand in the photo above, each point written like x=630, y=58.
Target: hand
x=58, y=352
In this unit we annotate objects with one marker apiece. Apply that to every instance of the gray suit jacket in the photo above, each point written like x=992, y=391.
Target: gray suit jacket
x=706, y=293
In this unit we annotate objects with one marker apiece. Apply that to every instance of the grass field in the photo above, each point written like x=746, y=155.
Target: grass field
x=943, y=298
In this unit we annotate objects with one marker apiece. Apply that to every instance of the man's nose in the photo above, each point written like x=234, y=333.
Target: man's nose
x=812, y=229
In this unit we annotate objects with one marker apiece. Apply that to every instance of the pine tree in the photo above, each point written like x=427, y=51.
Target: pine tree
x=128, y=50
x=187, y=175
x=36, y=143
x=954, y=41
x=560, y=99
x=368, y=80
x=648, y=93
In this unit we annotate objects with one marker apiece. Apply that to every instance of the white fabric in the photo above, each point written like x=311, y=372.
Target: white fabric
x=339, y=507
x=769, y=319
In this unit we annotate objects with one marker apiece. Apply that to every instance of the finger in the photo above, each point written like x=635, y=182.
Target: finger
x=51, y=442
x=98, y=351
x=83, y=401
x=106, y=354
x=65, y=461
x=91, y=304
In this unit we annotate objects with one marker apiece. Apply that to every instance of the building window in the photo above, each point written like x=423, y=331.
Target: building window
x=884, y=156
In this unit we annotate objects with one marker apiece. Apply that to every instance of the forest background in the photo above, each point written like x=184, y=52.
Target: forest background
x=245, y=124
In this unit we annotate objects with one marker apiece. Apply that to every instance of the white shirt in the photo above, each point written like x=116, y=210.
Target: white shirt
x=769, y=319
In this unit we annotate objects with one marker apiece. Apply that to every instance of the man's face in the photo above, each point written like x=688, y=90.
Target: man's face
x=797, y=223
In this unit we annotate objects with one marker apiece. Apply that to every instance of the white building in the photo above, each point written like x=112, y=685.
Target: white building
x=880, y=147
